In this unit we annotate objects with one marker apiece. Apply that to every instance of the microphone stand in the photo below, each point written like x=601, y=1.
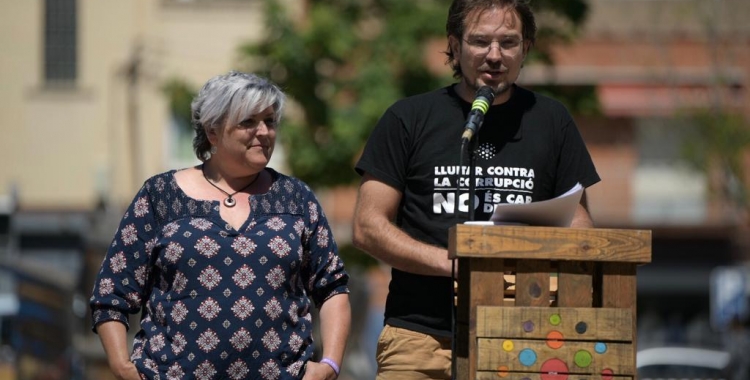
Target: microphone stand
x=470, y=147
x=484, y=99
x=472, y=177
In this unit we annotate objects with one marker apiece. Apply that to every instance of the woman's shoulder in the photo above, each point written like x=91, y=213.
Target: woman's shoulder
x=287, y=183
x=288, y=194
x=161, y=182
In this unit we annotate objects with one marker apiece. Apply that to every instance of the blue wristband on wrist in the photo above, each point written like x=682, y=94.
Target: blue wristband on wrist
x=332, y=364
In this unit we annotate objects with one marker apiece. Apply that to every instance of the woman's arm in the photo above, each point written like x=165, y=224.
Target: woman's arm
x=335, y=322
x=113, y=335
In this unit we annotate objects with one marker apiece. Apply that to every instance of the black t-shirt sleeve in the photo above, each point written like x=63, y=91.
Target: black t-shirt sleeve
x=574, y=164
x=386, y=153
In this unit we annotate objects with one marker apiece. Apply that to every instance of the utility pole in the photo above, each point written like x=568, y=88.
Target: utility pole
x=132, y=72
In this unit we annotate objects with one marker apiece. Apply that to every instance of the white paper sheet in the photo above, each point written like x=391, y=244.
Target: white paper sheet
x=556, y=212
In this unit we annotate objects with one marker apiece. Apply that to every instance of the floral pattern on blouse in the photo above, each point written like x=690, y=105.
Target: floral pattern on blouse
x=215, y=302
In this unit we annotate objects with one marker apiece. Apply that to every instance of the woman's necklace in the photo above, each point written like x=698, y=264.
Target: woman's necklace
x=228, y=201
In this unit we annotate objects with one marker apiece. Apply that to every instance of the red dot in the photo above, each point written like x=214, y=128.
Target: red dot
x=554, y=369
x=607, y=374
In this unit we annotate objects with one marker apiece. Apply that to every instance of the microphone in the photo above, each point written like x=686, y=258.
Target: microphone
x=482, y=102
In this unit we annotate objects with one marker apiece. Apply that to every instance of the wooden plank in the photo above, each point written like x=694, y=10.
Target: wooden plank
x=481, y=283
x=463, y=310
x=587, y=324
x=502, y=375
x=575, y=284
x=510, y=285
x=550, y=243
x=619, y=291
x=618, y=285
x=485, y=285
x=532, y=283
x=520, y=355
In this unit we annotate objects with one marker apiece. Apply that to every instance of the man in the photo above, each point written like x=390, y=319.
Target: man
x=529, y=149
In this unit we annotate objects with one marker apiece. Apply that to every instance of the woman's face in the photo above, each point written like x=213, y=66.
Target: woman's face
x=247, y=145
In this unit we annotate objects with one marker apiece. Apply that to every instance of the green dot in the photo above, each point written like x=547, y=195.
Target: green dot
x=582, y=359
x=555, y=319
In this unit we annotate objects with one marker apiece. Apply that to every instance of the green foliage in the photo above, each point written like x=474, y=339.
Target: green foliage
x=344, y=62
x=179, y=95
x=719, y=141
x=356, y=259
x=557, y=23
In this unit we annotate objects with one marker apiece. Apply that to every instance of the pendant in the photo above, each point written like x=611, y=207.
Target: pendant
x=229, y=202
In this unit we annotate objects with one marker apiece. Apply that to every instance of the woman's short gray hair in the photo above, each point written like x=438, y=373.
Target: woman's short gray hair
x=228, y=99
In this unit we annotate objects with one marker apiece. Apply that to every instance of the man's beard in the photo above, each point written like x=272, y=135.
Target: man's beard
x=498, y=89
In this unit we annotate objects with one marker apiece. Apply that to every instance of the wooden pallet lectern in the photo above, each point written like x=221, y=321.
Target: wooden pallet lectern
x=585, y=328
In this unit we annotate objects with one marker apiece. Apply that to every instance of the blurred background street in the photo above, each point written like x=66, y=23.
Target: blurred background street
x=95, y=94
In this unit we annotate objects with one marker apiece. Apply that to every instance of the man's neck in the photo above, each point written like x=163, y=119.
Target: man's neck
x=468, y=93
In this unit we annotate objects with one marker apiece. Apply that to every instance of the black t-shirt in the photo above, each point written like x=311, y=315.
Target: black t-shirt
x=528, y=150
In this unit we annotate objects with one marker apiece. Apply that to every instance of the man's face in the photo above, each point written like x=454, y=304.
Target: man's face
x=490, y=52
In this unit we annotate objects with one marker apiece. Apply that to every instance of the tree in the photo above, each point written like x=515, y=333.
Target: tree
x=343, y=62
x=716, y=145
x=719, y=142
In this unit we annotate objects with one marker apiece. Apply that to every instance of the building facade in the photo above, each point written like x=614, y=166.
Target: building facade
x=85, y=121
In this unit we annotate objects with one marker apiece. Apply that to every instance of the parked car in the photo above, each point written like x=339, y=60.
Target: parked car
x=683, y=363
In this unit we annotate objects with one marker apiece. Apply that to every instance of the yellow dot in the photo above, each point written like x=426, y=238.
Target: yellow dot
x=508, y=345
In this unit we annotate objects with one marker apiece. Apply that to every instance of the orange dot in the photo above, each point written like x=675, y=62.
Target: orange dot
x=555, y=339
x=502, y=371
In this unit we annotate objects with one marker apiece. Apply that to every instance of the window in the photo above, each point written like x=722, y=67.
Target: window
x=60, y=49
x=667, y=190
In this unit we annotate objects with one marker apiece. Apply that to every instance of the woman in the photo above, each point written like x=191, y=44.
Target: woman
x=224, y=259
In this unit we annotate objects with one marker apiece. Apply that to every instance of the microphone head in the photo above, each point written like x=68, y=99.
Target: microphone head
x=487, y=93
x=483, y=99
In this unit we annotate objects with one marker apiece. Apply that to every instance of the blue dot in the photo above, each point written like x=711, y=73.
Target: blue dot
x=527, y=357
x=600, y=348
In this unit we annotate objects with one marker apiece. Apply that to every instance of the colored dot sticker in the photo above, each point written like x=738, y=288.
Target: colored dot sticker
x=600, y=347
x=555, y=319
x=502, y=371
x=535, y=291
x=528, y=326
x=554, y=369
x=582, y=358
x=508, y=345
x=581, y=327
x=527, y=357
x=555, y=339
x=607, y=374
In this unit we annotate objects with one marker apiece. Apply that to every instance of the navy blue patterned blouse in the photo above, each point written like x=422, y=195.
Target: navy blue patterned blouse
x=218, y=303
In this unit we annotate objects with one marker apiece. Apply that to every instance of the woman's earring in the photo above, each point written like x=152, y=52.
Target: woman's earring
x=213, y=149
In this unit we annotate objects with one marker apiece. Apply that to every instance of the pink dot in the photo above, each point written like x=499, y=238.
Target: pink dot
x=554, y=369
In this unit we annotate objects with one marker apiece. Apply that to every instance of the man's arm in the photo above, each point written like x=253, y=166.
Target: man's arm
x=375, y=233
x=582, y=218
